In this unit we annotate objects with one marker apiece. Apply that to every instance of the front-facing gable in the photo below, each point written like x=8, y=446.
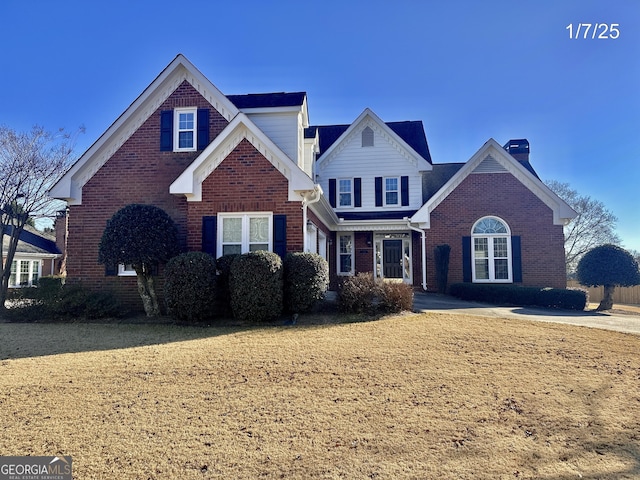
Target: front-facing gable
x=180, y=70
x=369, y=171
x=189, y=183
x=492, y=158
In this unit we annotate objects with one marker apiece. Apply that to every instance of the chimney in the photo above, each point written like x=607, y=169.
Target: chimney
x=519, y=149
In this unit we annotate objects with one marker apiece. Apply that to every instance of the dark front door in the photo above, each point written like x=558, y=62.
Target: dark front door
x=392, y=258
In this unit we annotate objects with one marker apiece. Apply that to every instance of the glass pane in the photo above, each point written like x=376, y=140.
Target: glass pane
x=502, y=269
x=232, y=230
x=345, y=199
x=391, y=184
x=259, y=230
x=186, y=121
x=231, y=249
x=489, y=226
x=185, y=139
x=482, y=269
x=254, y=247
x=345, y=244
x=481, y=249
x=407, y=261
x=345, y=263
x=12, y=278
x=345, y=186
x=392, y=198
x=34, y=272
x=500, y=247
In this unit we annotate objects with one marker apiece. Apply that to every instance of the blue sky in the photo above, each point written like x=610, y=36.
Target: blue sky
x=469, y=70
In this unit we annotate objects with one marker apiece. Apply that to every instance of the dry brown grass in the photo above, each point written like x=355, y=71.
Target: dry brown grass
x=413, y=396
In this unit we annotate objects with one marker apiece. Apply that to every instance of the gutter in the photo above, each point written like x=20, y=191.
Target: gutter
x=308, y=197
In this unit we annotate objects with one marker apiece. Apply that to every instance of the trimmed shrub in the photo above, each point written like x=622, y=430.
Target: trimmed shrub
x=306, y=277
x=190, y=287
x=255, y=283
x=357, y=294
x=395, y=297
x=223, y=267
x=525, y=296
x=49, y=289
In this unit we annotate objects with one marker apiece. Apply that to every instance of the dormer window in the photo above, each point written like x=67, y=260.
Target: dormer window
x=367, y=137
x=185, y=129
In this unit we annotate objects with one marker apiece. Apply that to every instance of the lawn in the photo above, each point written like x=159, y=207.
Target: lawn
x=412, y=396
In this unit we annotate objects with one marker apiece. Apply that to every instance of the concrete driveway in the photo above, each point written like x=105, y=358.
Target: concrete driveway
x=433, y=302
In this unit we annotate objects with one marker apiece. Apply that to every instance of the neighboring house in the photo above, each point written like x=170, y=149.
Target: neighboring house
x=36, y=256
x=247, y=172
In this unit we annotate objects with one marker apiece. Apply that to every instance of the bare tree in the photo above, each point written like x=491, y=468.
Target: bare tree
x=593, y=226
x=30, y=163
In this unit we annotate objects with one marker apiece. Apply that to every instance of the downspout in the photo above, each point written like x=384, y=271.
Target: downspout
x=308, y=199
x=423, y=238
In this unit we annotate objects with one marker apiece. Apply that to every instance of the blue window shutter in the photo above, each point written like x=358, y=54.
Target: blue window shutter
x=209, y=226
x=357, y=192
x=280, y=235
x=378, y=191
x=466, y=259
x=166, y=130
x=516, y=259
x=332, y=192
x=203, y=128
x=404, y=187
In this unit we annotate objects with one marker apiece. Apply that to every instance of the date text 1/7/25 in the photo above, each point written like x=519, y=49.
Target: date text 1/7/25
x=594, y=31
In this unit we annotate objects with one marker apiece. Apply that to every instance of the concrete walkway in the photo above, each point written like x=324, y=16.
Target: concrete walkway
x=433, y=302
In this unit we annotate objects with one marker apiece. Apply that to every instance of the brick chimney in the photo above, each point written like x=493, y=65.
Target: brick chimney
x=519, y=149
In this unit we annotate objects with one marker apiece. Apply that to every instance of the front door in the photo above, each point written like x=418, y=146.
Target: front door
x=392, y=258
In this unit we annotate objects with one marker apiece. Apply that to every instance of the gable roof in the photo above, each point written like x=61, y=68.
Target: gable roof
x=189, y=183
x=408, y=136
x=491, y=157
x=69, y=187
x=31, y=242
x=268, y=100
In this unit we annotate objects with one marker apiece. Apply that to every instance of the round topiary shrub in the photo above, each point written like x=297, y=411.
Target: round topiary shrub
x=306, y=277
x=190, y=287
x=255, y=284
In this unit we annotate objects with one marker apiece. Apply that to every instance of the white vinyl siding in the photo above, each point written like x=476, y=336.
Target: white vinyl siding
x=381, y=160
x=282, y=129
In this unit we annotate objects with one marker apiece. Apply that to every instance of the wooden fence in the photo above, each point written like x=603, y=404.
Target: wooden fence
x=624, y=295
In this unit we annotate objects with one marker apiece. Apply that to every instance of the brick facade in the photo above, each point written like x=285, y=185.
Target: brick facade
x=138, y=172
x=503, y=196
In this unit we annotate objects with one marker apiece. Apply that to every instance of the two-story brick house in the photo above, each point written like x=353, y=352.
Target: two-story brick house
x=247, y=172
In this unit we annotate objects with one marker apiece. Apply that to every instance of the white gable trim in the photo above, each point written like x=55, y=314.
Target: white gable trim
x=369, y=119
x=189, y=183
x=69, y=187
x=501, y=162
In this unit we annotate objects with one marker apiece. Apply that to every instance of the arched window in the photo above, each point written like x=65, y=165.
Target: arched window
x=367, y=137
x=491, y=247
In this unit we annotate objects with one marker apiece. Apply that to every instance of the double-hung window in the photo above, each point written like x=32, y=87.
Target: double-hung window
x=345, y=192
x=246, y=232
x=391, y=191
x=491, y=251
x=345, y=254
x=24, y=273
x=185, y=128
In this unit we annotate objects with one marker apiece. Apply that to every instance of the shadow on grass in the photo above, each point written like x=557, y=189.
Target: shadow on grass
x=21, y=339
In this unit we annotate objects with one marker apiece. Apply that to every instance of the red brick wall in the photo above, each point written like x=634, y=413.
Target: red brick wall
x=137, y=173
x=500, y=195
x=245, y=181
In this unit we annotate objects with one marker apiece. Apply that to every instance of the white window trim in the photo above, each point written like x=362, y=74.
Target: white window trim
x=176, y=129
x=245, y=216
x=338, y=253
x=384, y=192
x=490, y=249
x=322, y=244
x=126, y=270
x=350, y=180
